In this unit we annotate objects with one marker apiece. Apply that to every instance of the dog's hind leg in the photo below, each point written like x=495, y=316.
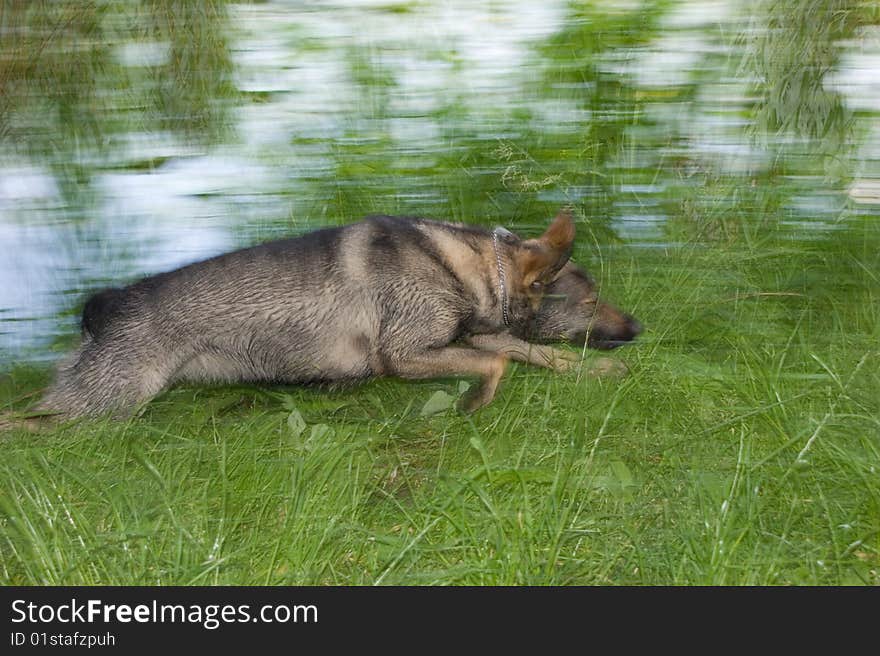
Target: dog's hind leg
x=455, y=361
x=100, y=378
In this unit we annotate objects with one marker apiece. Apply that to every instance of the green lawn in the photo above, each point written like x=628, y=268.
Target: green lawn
x=743, y=448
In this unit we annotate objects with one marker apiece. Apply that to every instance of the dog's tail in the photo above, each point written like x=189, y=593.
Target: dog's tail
x=99, y=311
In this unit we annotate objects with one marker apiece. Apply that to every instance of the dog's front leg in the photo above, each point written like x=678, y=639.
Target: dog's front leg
x=455, y=361
x=522, y=351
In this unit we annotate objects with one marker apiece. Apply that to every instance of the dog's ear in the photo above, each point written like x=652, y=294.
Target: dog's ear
x=543, y=257
x=560, y=235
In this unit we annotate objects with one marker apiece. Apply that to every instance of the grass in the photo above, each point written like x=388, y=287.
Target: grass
x=743, y=448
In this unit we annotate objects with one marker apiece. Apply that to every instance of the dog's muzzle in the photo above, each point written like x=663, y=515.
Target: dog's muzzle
x=604, y=340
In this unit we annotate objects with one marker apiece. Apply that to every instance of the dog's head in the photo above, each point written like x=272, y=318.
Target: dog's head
x=571, y=311
x=534, y=264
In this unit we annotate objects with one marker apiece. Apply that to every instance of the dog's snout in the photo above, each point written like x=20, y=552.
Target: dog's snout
x=633, y=326
x=605, y=337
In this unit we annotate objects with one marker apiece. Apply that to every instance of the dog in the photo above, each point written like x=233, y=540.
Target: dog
x=387, y=296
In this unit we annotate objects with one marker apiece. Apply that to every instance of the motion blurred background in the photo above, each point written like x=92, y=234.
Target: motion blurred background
x=138, y=136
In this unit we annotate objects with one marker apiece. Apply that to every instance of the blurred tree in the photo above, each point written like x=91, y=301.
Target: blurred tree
x=586, y=62
x=51, y=57
x=792, y=46
x=198, y=72
x=65, y=89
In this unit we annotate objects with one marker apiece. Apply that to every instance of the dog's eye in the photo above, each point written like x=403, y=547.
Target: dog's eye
x=536, y=286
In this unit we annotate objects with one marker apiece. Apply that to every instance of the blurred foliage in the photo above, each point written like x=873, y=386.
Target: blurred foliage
x=585, y=61
x=77, y=79
x=52, y=55
x=62, y=82
x=196, y=77
x=797, y=46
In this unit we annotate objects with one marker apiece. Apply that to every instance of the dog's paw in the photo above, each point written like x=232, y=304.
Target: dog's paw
x=563, y=361
x=479, y=395
x=475, y=398
x=10, y=422
x=607, y=368
x=555, y=359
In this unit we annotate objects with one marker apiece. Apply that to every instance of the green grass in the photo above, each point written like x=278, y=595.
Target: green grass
x=743, y=448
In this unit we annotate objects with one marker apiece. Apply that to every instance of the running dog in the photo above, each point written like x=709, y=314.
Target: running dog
x=387, y=296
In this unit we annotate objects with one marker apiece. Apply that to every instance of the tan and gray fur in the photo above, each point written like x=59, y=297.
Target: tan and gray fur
x=387, y=296
x=572, y=311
